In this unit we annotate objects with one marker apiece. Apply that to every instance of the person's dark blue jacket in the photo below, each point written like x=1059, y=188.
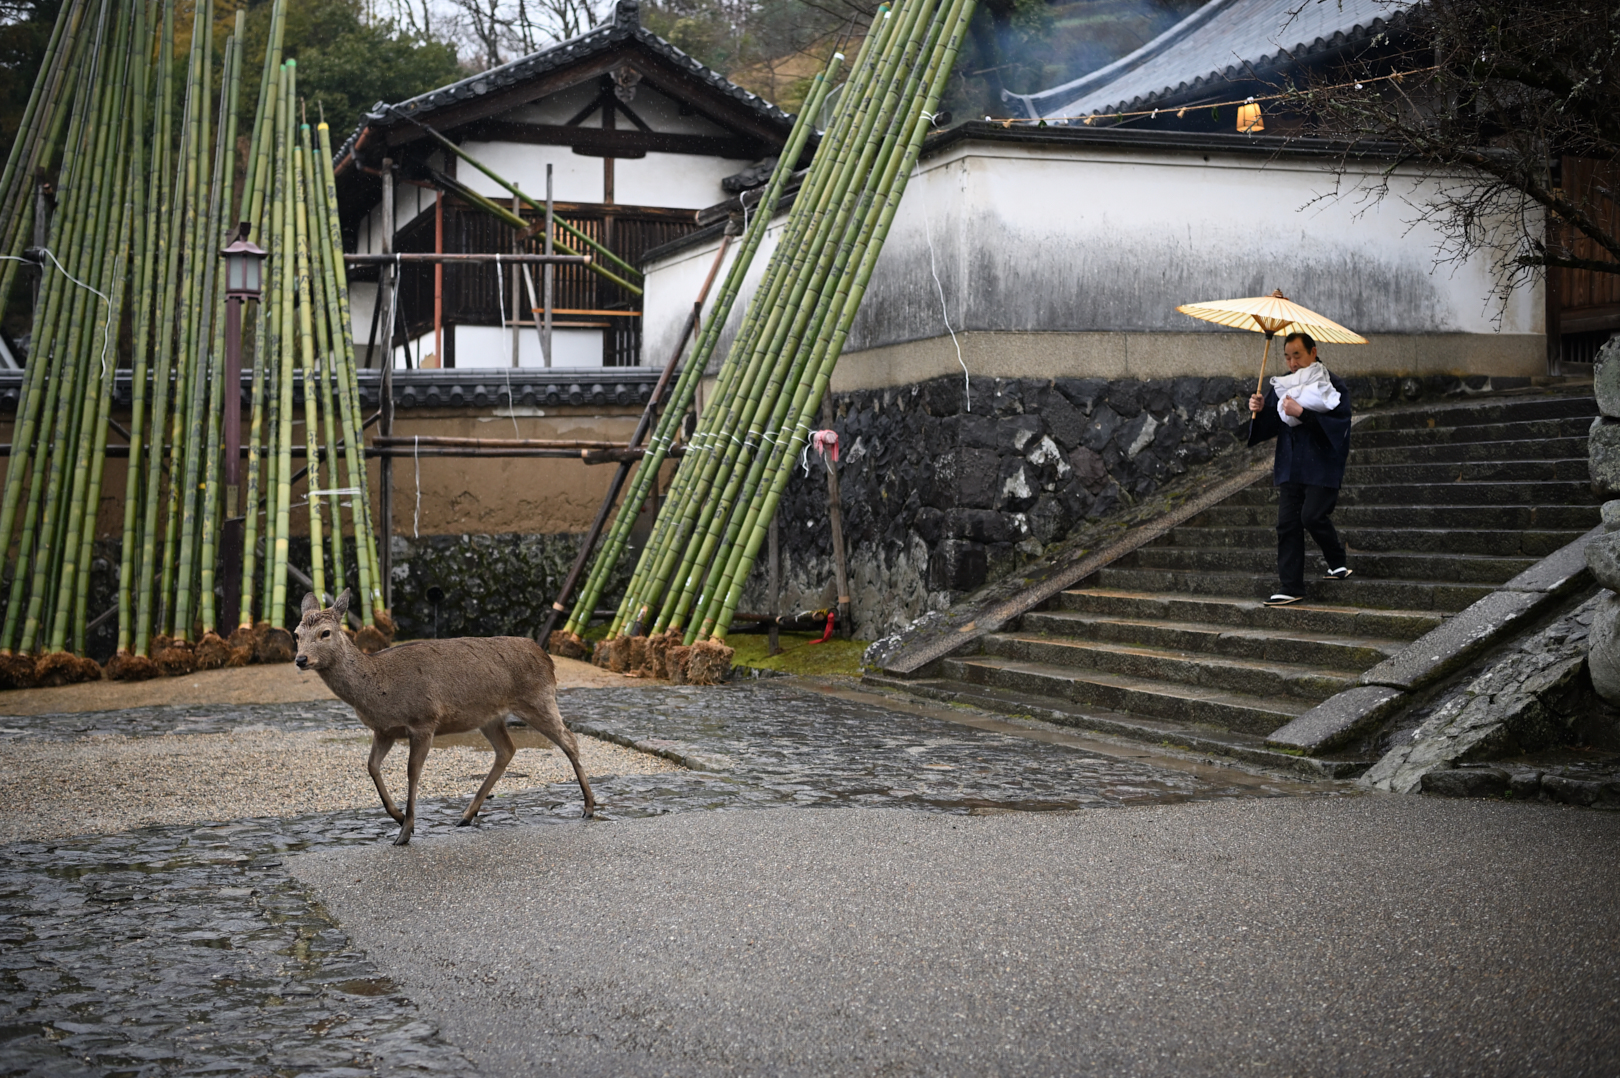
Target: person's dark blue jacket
x=1314, y=452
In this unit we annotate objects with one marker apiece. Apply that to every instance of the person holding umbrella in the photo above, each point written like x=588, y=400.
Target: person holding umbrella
x=1308, y=412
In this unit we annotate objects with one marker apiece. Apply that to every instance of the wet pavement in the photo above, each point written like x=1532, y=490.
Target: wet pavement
x=191, y=950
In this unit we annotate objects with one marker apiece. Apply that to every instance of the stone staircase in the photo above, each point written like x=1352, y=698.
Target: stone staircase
x=1441, y=504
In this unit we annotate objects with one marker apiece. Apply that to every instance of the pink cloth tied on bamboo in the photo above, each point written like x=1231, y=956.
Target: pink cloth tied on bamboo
x=823, y=440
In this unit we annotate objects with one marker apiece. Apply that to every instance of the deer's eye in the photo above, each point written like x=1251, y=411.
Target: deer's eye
x=325, y=633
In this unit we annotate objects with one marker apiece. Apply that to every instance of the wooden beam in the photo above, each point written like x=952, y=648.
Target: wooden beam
x=612, y=142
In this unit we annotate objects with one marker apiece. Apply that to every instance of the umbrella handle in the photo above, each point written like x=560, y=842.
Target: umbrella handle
x=1260, y=383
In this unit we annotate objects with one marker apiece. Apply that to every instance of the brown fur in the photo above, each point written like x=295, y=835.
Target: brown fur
x=675, y=659
x=709, y=663
x=127, y=667
x=274, y=645
x=65, y=668
x=18, y=672
x=428, y=687
x=212, y=652
x=568, y=645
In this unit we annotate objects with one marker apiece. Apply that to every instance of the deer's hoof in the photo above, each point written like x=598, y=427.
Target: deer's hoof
x=403, y=839
x=465, y=822
x=590, y=812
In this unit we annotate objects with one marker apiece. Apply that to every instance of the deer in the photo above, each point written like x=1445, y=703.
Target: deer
x=422, y=688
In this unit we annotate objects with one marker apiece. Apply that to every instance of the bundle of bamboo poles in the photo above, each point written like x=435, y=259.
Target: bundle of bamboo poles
x=684, y=591
x=144, y=202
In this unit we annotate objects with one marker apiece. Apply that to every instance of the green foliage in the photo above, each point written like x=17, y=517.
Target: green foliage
x=798, y=655
x=345, y=63
x=25, y=30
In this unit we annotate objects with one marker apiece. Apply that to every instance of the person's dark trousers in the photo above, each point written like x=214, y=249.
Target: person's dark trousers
x=1301, y=509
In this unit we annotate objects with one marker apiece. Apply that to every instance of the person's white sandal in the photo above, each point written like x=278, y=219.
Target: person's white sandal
x=1338, y=574
x=1280, y=599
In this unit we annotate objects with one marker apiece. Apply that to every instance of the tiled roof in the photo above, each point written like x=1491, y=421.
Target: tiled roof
x=1214, y=46
x=623, y=28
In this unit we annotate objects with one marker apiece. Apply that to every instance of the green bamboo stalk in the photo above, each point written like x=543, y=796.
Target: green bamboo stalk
x=852, y=290
x=306, y=352
x=826, y=177
x=202, y=261
x=39, y=386
x=44, y=99
x=539, y=207
x=686, y=385
x=776, y=347
x=326, y=346
x=264, y=118
x=718, y=519
x=145, y=224
x=365, y=540
x=167, y=250
x=276, y=610
x=220, y=395
x=83, y=265
x=250, y=525
x=195, y=156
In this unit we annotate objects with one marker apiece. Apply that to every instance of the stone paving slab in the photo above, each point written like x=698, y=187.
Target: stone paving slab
x=181, y=719
x=190, y=950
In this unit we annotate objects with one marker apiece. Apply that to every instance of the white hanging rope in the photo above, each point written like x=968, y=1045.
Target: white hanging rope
x=500, y=290
x=106, y=337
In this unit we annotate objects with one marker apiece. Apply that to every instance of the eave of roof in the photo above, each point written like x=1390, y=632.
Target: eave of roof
x=1199, y=54
x=625, y=27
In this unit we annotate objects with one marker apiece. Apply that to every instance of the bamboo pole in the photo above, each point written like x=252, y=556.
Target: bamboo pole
x=686, y=385
x=306, y=353
x=348, y=385
x=148, y=198
x=852, y=292
x=276, y=609
x=220, y=395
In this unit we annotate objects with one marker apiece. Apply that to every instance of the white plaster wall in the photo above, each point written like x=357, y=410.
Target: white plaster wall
x=1071, y=261
x=491, y=346
x=682, y=180
x=574, y=178
x=673, y=286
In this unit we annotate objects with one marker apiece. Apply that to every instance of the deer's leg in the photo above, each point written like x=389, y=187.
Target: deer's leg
x=379, y=750
x=497, y=735
x=544, y=716
x=421, y=741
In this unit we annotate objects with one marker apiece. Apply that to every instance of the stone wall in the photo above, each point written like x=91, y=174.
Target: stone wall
x=939, y=498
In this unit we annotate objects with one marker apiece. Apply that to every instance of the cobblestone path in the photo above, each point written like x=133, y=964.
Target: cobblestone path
x=190, y=950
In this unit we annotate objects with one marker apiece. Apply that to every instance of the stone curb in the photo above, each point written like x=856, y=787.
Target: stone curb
x=1388, y=687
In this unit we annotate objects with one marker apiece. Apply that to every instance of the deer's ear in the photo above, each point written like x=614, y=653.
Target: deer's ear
x=310, y=603
x=340, y=608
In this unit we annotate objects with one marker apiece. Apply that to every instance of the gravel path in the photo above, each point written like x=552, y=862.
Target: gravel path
x=102, y=785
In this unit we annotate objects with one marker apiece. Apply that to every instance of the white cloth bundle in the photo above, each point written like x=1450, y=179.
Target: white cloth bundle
x=1310, y=386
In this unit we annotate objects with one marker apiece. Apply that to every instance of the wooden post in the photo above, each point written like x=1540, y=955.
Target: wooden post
x=774, y=554
x=548, y=273
x=835, y=514
x=438, y=280
x=385, y=496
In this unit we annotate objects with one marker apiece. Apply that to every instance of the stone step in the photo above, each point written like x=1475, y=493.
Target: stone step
x=1224, y=672
x=1139, y=696
x=1509, y=517
x=1542, y=448
x=1505, y=543
x=1451, y=568
x=1560, y=493
x=1207, y=638
x=1528, y=430
x=1230, y=744
x=1247, y=613
x=1534, y=470
x=1479, y=413
x=1356, y=591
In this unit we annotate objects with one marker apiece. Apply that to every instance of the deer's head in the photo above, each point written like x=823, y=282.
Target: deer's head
x=320, y=634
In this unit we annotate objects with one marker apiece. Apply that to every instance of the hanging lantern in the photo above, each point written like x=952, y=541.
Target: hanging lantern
x=1249, y=121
